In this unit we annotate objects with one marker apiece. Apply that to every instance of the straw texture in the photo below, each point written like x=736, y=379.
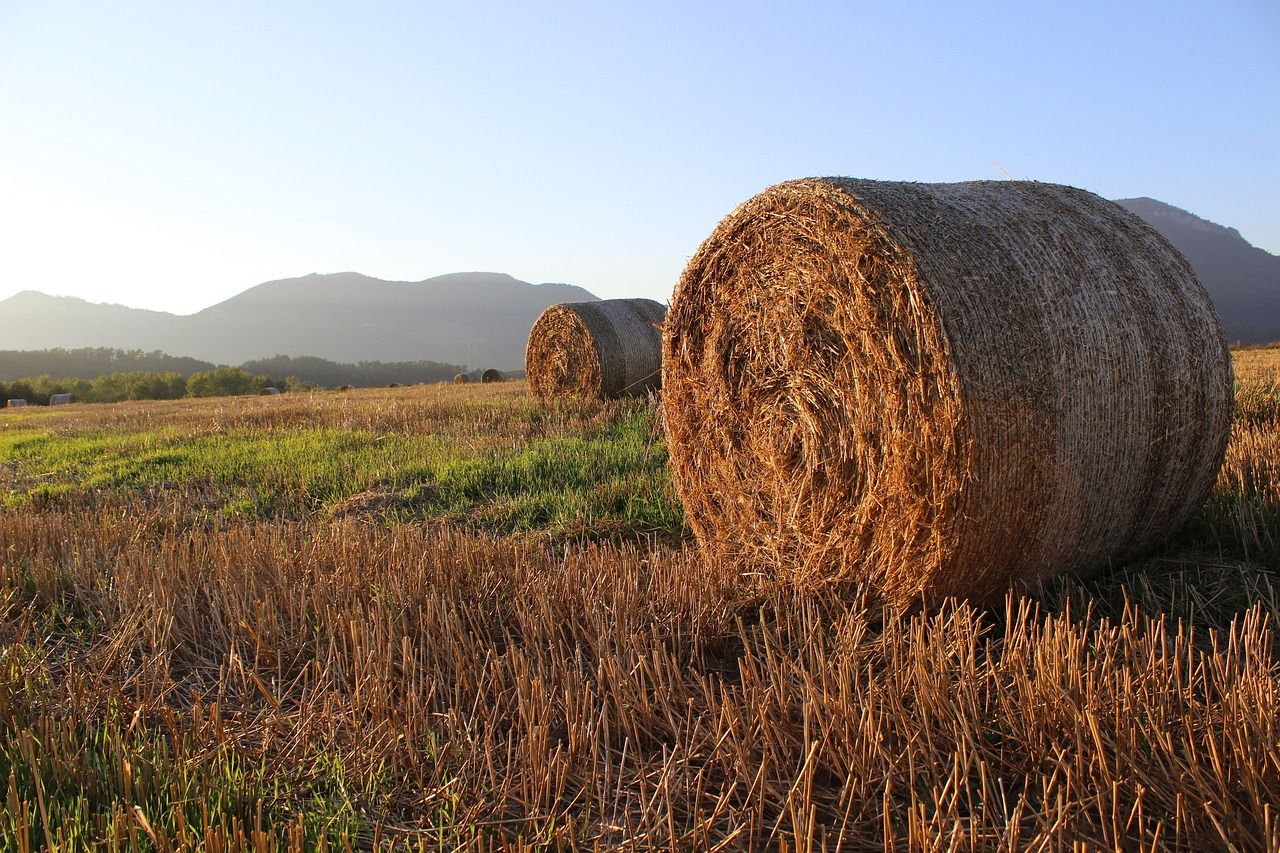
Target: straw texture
x=609, y=348
x=939, y=389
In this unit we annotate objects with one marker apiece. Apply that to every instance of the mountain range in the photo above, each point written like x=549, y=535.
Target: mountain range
x=479, y=319
x=483, y=319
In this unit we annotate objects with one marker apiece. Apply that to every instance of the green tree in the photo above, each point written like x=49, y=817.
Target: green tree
x=20, y=390
x=137, y=385
x=226, y=382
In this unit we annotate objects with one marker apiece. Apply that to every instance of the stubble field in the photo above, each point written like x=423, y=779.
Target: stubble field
x=447, y=617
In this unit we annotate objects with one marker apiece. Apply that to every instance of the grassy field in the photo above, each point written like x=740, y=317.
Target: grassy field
x=445, y=617
x=488, y=459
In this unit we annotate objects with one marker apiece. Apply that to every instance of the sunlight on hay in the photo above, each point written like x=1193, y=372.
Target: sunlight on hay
x=939, y=389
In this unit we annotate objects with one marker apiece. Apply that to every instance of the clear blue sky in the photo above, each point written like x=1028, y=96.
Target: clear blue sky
x=171, y=154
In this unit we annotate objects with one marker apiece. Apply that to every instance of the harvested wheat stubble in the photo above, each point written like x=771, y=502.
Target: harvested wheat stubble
x=939, y=389
x=609, y=348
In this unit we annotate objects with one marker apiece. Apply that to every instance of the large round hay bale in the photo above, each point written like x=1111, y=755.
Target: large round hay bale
x=491, y=375
x=939, y=389
x=608, y=348
x=461, y=379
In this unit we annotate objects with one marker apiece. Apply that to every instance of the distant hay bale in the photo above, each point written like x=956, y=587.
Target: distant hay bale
x=15, y=403
x=461, y=379
x=344, y=387
x=939, y=389
x=608, y=348
x=270, y=391
x=61, y=399
x=491, y=375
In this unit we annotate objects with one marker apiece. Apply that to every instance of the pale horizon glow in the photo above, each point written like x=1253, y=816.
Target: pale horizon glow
x=168, y=157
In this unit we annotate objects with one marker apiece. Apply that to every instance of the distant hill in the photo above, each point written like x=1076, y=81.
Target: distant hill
x=93, y=362
x=1242, y=280
x=481, y=319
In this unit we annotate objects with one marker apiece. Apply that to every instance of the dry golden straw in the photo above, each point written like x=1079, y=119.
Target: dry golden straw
x=609, y=348
x=939, y=389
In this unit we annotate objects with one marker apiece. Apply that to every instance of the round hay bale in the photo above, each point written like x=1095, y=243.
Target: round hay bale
x=492, y=375
x=939, y=389
x=608, y=348
x=461, y=379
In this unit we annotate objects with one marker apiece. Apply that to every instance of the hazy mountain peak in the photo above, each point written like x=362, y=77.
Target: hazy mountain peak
x=1242, y=280
x=35, y=300
x=474, y=275
x=24, y=296
x=1154, y=211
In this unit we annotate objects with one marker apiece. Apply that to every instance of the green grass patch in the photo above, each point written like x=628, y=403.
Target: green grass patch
x=608, y=481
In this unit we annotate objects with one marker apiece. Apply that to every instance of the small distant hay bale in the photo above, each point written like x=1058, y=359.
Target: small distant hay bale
x=461, y=379
x=492, y=375
x=608, y=348
x=939, y=389
x=61, y=399
x=15, y=403
x=270, y=391
x=344, y=387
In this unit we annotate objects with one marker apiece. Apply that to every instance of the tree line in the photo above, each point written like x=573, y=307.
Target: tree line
x=92, y=362
x=136, y=385
x=97, y=383
x=323, y=373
